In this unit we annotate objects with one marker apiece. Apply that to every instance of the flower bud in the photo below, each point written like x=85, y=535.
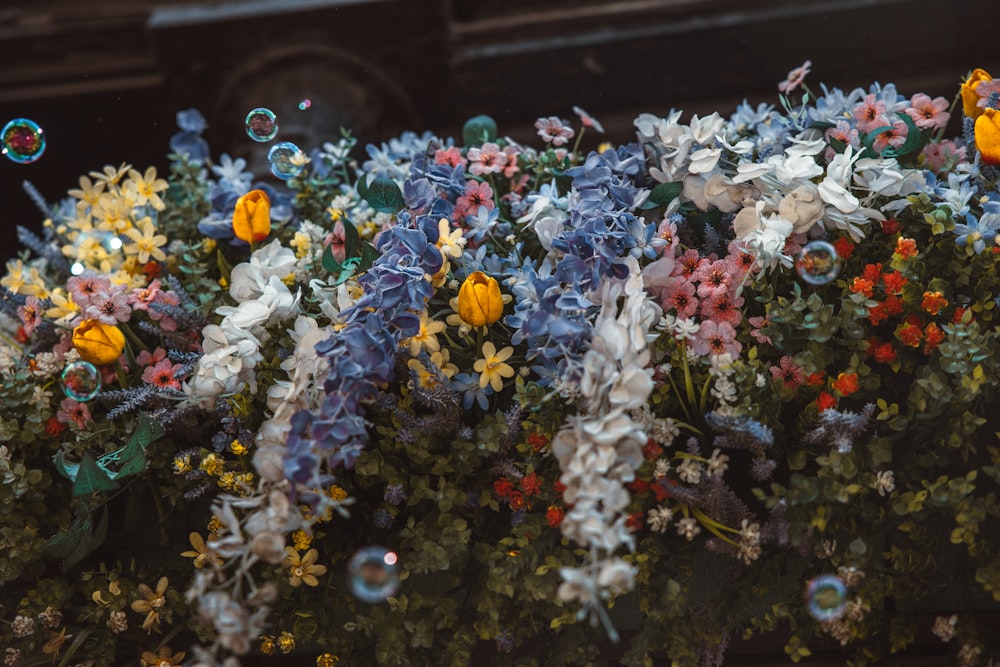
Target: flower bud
x=97, y=342
x=252, y=217
x=479, y=300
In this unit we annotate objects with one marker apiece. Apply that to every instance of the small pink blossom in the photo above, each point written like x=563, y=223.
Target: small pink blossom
x=668, y=232
x=147, y=358
x=554, y=130
x=723, y=308
x=73, y=412
x=30, y=314
x=161, y=375
x=716, y=338
x=942, y=155
x=476, y=194
x=894, y=137
x=111, y=307
x=928, y=113
x=679, y=296
x=588, y=120
x=713, y=279
x=790, y=375
x=870, y=114
x=511, y=167
x=740, y=261
x=688, y=263
x=141, y=297
x=758, y=322
x=450, y=156
x=486, y=159
x=795, y=78
x=86, y=286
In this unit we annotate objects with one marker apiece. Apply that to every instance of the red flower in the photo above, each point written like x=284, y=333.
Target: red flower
x=877, y=314
x=906, y=248
x=651, y=450
x=518, y=501
x=559, y=487
x=890, y=226
x=882, y=352
x=537, y=441
x=663, y=488
x=933, y=336
x=893, y=305
x=554, y=516
x=825, y=401
x=909, y=332
x=862, y=286
x=635, y=521
x=844, y=247
x=531, y=483
x=789, y=373
x=872, y=273
x=815, y=379
x=933, y=302
x=846, y=383
x=638, y=486
x=503, y=487
x=54, y=427
x=894, y=282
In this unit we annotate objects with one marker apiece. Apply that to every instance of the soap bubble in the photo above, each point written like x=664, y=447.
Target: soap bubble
x=817, y=263
x=826, y=596
x=374, y=574
x=286, y=160
x=23, y=141
x=80, y=380
x=261, y=124
x=305, y=104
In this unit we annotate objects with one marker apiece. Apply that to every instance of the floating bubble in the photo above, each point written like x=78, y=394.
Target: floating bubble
x=286, y=160
x=305, y=104
x=817, y=263
x=374, y=574
x=80, y=380
x=261, y=124
x=826, y=596
x=23, y=141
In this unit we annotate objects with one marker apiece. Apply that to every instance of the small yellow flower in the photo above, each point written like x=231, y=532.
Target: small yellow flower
x=208, y=245
x=54, y=645
x=213, y=465
x=302, y=244
x=335, y=214
x=145, y=242
x=337, y=493
x=303, y=570
x=151, y=603
x=182, y=464
x=227, y=480
x=301, y=539
x=450, y=241
x=214, y=525
x=426, y=339
x=201, y=553
x=89, y=192
x=267, y=645
x=111, y=175
x=146, y=188
x=492, y=368
x=24, y=280
x=237, y=447
x=286, y=642
x=327, y=660
x=163, y=658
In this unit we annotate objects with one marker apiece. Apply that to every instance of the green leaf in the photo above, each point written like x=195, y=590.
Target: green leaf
x=91, y=478
x=351, y=238
x=384, y=195
x=133, y=459
x=479, y=130
x=62, y=544
x=349, y=268
x=368, y=256
x=225, y=268
x=664, y=193
x=67, y=470
x=915, y=140
x=362, y=187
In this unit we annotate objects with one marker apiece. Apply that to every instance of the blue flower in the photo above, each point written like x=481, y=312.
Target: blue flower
x=979, y=232
x=482, y=223
x=468, y=385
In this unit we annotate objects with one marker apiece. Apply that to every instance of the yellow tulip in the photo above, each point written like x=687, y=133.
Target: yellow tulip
x=970, y=98
x=98, y=343
x=988, y=136
x=479, y=300
x=252, y=217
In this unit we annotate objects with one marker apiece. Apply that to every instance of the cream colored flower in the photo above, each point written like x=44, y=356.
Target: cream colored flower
x=303, y=570
x=146, y=188
x=145, y=242
x=492, y=368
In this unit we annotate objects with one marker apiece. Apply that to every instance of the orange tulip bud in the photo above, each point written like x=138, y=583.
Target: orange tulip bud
x=98, y=343
x=479, y=300
x=988, y=136
x=970, y=98
x=252, y=217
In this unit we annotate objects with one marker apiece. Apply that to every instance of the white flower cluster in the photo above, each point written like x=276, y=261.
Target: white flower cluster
x=600, y=449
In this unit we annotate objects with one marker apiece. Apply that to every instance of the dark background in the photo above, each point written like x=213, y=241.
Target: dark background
x=105, y=78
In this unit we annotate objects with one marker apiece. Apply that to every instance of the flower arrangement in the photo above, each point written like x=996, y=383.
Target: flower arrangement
x=463, y=402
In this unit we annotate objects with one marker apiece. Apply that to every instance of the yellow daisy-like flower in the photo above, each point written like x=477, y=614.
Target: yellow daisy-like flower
x=450, y=241
x=111, y=175
x=304, y=569
x=162, y=658
x=492, y=368
x=89, y=192
x=145, y=242
x=147, y=187
x=152, y=603
x=22, y=280
x=63, y=308
x=113, y=214
x=427, y=338
x=201, y=553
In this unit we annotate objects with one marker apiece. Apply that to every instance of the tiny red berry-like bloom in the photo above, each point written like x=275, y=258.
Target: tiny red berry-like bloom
x=933, y=302
x=531, y=483
x=54, y=427
x=910, y=333
x=894, y=282
x=906, y=248
x=825, y=401
x=815, y=379
x=846, y=383
x=890, y=226
x=893, y=305
x=882, y=352
x=862, y=286
x=651, y=450
x=554, y=516
x=872, y=273
x=933, y=336
x=503, y=487
x=537, y=441
x=877, y=314
x=634, y=521
x=638, y=486
x=844, y=247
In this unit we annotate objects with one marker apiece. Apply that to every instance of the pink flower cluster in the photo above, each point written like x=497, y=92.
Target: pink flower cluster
x=111, y=304
x=872, y=114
